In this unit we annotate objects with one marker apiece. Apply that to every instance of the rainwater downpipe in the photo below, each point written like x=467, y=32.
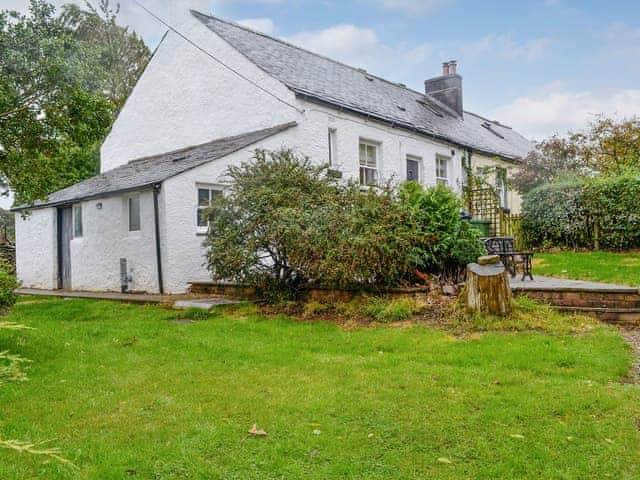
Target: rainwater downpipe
x=156, y=216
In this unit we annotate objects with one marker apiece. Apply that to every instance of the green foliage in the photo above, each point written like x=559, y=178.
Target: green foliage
x=57, y=95
x=8, y=284
x=444, y=243
x=285, y=224
x=386, y=311
x=576, y=214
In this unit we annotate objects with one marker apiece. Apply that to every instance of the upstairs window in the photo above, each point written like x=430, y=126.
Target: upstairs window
x=369, y=152
x=333, y=146
x=414, y=167
x=442, y=170
x=77, y=221
x=206, y=196
x=134, y=213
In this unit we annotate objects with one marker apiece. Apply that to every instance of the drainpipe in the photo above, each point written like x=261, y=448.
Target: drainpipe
x=156, y=216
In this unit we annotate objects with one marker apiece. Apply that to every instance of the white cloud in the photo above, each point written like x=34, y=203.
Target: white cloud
x=504, y=46
x=543, y=114
x=414, y=6
x=362, y=48
x=264, y=25
x=621, y=39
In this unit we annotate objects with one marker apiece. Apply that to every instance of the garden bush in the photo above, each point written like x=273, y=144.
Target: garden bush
x=8, y=284
x=285, y=224
x=600, y=211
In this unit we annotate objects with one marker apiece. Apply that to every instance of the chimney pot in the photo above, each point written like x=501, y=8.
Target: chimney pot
x=453, y=67
x=445, y=68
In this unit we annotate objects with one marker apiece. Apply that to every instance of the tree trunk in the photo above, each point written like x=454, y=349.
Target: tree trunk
x=487, y=289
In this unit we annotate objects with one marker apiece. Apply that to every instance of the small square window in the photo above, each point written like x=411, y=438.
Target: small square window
x=134, y=214
x=77, y=221
x=205, y=199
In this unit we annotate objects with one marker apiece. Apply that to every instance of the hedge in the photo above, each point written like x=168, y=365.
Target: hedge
x=599, y=212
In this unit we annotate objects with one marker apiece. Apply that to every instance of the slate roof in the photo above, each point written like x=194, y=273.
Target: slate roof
x=149, y=171
x=324, y=80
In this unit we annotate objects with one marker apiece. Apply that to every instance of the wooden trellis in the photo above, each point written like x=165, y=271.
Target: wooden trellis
x=484, y=204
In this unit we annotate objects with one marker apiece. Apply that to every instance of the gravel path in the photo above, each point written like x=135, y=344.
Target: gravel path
x=632, y=335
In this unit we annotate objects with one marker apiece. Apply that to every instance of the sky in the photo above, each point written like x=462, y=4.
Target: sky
x=541, y=66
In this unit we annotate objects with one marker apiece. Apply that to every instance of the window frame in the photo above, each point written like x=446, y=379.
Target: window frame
x=443, y=180
x=78, y=221
x=333, y=146
x=363, y=168
x=419, y=162
x=130, y=201
x=209, y=188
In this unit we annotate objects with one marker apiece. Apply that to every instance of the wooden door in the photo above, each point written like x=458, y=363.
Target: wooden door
x=65, y=234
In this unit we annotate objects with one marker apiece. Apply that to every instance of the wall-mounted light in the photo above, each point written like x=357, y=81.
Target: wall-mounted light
x=99, y=205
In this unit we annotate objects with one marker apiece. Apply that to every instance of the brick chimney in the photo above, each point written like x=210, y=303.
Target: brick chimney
x=447, y=88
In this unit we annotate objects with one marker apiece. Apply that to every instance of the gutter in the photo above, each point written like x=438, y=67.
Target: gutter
x=156, y=217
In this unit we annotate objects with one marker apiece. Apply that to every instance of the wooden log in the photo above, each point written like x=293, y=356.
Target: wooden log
x=487, y=289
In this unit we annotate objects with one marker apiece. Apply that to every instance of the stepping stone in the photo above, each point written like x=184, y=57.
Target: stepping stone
x=203, y=304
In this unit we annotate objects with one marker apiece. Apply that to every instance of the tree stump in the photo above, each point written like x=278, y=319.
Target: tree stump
x=487, y=289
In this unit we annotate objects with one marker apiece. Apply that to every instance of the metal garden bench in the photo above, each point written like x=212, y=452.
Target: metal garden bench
x=505, y=248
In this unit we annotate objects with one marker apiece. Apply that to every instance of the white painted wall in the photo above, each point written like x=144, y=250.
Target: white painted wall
x=184, y=98
x=95, y=257
x=37, y=249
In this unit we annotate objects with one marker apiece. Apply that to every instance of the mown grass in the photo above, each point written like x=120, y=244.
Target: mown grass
x=126, y=393
x=607, y=267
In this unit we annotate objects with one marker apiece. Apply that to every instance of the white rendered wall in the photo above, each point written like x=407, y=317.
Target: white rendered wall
x=95, y=257
x=184, y=254
x=482, y=161
x=37, y=249
x=184, y=98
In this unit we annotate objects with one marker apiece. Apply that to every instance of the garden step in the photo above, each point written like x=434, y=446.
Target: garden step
x=627, y=316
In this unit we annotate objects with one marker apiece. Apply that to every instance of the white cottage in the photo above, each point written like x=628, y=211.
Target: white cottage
x=211, y=95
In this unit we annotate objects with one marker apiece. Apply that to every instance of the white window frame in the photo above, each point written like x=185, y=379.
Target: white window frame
x=199, y=208
x=77, y=214
x=418, y=160
x=131, y=199
x=443, y=180
x=333, y=147
x=369, y=166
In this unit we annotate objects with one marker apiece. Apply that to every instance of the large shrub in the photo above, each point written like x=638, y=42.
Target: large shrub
x=602, y=211
x=285, y=223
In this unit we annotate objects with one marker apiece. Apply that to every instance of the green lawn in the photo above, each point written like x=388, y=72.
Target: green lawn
x=620, y=268
x=125, y=393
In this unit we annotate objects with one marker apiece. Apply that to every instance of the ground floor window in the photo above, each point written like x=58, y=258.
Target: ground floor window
x=134, y=213
x=206, y=195
x=77, y=221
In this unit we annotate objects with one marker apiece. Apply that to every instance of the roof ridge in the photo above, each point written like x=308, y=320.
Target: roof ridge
x=302, y=49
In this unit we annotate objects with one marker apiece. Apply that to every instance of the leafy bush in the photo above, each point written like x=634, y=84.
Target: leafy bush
x=584, y=212
x=386, y=311
x=444, y=243
x=8, y=284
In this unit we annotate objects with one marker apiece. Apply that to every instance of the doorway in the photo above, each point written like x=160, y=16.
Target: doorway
x=65, y=234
